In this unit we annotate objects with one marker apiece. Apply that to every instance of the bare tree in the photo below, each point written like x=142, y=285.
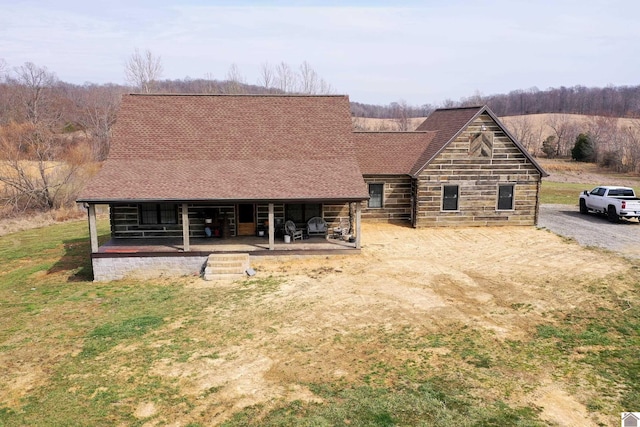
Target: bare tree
x=285, y=79
x=143, y=70
x=324, y=87
x=400, y=115
x=210, y=85
x=30, y=174
x=236, y=83
x=35, y=85
x=602, y=130
x=631, y=144
x=565, y=132
x=308, y=79
x=3, y=68
x=97, y=107
x=266, y=78
x=522, y=129
x=309, y=82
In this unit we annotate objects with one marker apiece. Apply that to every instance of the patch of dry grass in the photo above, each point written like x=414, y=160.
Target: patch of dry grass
x=566, y=165
x=32, y=220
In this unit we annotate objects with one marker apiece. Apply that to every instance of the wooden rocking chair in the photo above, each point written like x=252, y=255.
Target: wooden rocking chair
x=291, y=230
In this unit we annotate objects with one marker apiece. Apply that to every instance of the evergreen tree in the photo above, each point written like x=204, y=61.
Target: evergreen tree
x=583, y=151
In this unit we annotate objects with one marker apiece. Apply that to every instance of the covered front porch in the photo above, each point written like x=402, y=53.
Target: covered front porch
x=180, y=227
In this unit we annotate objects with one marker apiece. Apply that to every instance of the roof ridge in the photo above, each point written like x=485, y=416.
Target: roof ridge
x=395, y=132
x=474, y=107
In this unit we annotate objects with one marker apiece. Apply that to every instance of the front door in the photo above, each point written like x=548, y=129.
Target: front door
x=246, y=220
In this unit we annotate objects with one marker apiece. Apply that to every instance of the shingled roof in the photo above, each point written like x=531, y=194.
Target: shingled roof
x=390, y=153
x=230, y=147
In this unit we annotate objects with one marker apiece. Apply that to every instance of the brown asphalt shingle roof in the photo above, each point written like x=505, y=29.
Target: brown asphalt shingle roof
x=390, y=153
x=230, y=147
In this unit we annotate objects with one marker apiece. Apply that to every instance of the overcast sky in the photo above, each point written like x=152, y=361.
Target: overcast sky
x=377, y=52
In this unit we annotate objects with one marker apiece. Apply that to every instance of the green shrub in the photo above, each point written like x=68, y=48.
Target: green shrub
x=583, y=150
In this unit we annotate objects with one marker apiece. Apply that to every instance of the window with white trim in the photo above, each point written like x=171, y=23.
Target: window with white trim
x=375, y=195
x=450, y=197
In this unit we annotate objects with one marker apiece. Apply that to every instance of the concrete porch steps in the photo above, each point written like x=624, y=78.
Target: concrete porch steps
x=226, y=266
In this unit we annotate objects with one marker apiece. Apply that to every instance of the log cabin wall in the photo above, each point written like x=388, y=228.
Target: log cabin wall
x=478, y=161
x=126, y=221
x=396, y=199
x=263, y=215
x=335, y=214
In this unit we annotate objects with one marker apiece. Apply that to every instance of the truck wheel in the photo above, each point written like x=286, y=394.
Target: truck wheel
x=583, y=207
x=612, y=215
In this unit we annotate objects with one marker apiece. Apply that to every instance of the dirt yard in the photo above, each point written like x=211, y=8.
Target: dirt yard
x=426, y=278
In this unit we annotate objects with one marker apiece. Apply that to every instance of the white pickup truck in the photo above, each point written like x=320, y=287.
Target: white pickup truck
x=615, y=202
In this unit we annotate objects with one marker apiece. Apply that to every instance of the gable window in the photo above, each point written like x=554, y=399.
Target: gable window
x=505, y=197
x=375, y=195
x=450, y=197
x=158, y=213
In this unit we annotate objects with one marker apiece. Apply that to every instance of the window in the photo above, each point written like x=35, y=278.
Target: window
x=621, y=192
x=598, y=191
x=375, y=195
x=505, y=197
x=158, y=213
x=301, y=213
x=450, y=198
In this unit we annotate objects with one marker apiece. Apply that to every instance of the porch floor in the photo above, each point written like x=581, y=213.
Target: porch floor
x=243, y=244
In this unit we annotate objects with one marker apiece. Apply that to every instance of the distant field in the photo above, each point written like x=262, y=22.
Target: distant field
x=537, y=121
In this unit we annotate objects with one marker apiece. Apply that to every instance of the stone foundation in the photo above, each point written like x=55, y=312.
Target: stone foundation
x=114, y=268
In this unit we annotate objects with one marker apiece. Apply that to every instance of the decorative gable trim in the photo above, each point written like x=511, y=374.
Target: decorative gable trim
x=481, y=144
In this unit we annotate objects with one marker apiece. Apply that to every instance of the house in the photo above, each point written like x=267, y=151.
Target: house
x=178, y=163
x=182, y=168
x=460, y=167
x=630, y=419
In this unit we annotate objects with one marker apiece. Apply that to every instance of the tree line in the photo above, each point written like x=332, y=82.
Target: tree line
x=612, y=101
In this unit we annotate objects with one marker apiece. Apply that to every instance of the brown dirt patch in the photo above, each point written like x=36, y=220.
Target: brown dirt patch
x=305, y=331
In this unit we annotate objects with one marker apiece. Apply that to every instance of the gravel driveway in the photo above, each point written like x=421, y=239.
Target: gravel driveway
x=592, y=229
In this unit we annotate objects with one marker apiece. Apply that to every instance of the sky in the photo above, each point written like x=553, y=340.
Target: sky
x=377, y=52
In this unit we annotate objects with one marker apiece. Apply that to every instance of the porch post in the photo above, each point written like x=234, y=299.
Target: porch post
x=93, y=229
x=358, y=217
x=272, y=228
x=185, y=227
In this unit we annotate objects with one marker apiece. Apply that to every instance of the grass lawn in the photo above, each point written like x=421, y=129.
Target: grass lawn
x=564, y=193
x=131, y=352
